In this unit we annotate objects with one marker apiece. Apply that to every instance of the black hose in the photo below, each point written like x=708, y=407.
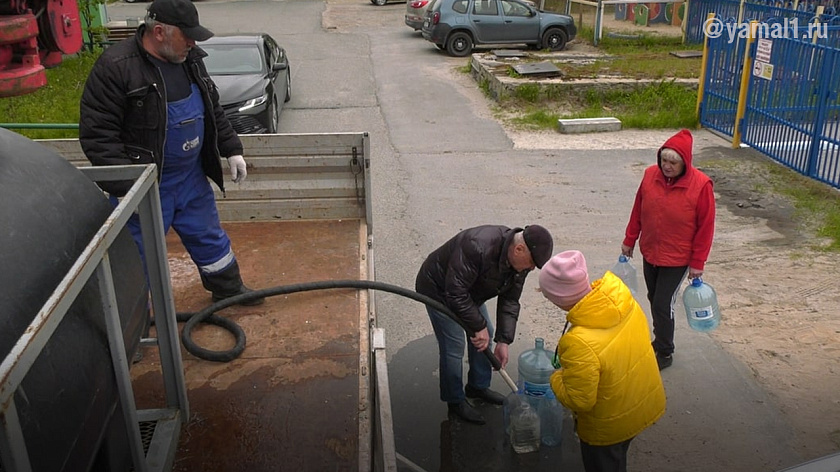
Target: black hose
x=208, y=314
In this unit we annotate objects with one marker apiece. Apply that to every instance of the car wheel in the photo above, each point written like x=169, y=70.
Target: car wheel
x=273, y=116
x=459, y=44
x=555, y=39
x=379, y=3
x=288, y=86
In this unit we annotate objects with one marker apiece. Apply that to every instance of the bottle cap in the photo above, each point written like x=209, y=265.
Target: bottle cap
x=696, y=282
x=622, y=258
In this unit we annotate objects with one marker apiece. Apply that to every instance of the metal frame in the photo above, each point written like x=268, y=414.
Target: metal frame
x=144, y=198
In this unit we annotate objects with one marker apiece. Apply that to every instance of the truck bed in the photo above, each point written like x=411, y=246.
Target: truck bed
x=310, y=390
x=291, y=400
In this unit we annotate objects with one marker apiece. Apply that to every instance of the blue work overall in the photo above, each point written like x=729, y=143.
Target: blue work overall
x=186, y=198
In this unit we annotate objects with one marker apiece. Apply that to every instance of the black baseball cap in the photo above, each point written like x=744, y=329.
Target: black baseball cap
x=539, y=242
x=180, y=13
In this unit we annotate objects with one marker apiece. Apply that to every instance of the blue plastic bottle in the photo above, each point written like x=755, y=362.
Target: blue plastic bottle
x=627, y=273
x=535, y=369
x=701, y=306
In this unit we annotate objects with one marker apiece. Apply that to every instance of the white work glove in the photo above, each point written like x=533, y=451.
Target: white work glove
x=238, y=172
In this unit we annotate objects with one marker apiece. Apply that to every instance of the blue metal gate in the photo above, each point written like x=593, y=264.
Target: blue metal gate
x=790, y=110
x=724, y=64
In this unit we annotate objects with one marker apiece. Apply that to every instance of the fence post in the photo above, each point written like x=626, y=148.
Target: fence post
x=701, y=86
x=599, y=21
x=746, y=72
x=825, y=94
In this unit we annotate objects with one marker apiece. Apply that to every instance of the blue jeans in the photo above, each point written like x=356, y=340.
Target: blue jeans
x=451, y=339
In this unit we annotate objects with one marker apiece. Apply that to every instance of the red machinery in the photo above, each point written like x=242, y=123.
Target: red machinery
x=34, y=34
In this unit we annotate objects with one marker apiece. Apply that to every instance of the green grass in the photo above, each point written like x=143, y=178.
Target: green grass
x=660, y=105
x=58, y=102
x=817, y=203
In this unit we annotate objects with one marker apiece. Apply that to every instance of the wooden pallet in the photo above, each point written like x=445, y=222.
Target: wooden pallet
x=119, y=30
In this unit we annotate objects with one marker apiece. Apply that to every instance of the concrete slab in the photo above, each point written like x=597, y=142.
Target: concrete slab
x=588, y=125
x=687, y=54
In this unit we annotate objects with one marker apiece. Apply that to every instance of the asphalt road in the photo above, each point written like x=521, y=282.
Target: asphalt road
x=442, y=163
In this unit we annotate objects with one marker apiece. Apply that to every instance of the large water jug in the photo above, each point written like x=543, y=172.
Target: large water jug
x=625, y=271
x=701, y=306
x=524, y=425
x=535, y=369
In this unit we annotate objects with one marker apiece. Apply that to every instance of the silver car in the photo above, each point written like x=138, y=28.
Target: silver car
x=458, y=25
x=415, y=12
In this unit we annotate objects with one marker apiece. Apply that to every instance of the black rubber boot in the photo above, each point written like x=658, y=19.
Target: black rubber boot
x=228, y=283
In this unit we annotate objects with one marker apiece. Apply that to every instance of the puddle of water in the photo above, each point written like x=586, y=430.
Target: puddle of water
x=428, y=438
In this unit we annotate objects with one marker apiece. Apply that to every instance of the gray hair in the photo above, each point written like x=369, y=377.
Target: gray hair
x=670, y=154
x=151, y=23
x=519, y=238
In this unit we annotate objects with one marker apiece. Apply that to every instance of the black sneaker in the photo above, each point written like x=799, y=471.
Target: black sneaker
x=487, y=395
x=217, y=297
x=664, y=361
x=466, y=412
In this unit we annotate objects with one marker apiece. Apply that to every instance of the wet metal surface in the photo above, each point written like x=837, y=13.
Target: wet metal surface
x=290, y=402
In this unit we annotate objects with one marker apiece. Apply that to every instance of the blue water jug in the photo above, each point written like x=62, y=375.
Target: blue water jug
x=627, y=273
x=701, y=306
x=535, y=369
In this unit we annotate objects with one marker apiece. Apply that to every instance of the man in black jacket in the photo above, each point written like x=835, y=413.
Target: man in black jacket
x=474, y=266
x=149, y=99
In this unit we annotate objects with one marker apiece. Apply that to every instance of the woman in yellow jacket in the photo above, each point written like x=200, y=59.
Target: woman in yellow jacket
x=608, y=376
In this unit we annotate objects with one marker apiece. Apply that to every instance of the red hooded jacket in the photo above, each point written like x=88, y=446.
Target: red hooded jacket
x=676, y=219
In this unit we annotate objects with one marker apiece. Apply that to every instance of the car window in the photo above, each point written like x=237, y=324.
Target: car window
x=274, y=48
x=269, y=57
x=233, y=59
x=486, y=7
x=460, y=6
x=514, y=8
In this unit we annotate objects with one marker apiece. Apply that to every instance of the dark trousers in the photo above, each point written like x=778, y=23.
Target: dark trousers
x=612, y=458
x=663, y=284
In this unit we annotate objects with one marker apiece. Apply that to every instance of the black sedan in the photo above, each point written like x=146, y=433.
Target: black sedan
x=254, y=79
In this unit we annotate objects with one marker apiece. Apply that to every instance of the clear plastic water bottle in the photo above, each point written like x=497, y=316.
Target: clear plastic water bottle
x=535, y=369
x=625, y=271
x=701, y=306
x=524, y=426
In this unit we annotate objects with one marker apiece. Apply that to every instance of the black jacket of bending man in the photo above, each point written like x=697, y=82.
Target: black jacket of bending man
x=470, y=269
x=123, y=113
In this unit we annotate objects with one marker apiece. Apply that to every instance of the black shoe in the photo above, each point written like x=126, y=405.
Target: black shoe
x=487, y=395
x=466, y=412
x=664, y=361
x=217, y=297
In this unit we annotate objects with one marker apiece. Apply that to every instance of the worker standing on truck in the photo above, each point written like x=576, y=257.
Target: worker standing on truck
x=474, y=266
x=149, y=99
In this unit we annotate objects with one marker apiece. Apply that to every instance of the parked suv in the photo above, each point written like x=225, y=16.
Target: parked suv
x=458, y=25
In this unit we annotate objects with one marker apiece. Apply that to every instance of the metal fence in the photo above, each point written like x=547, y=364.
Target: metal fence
x=778, y=95
x=788, y=17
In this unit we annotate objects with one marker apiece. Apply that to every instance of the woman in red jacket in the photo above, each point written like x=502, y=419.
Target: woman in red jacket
x=673, y=218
